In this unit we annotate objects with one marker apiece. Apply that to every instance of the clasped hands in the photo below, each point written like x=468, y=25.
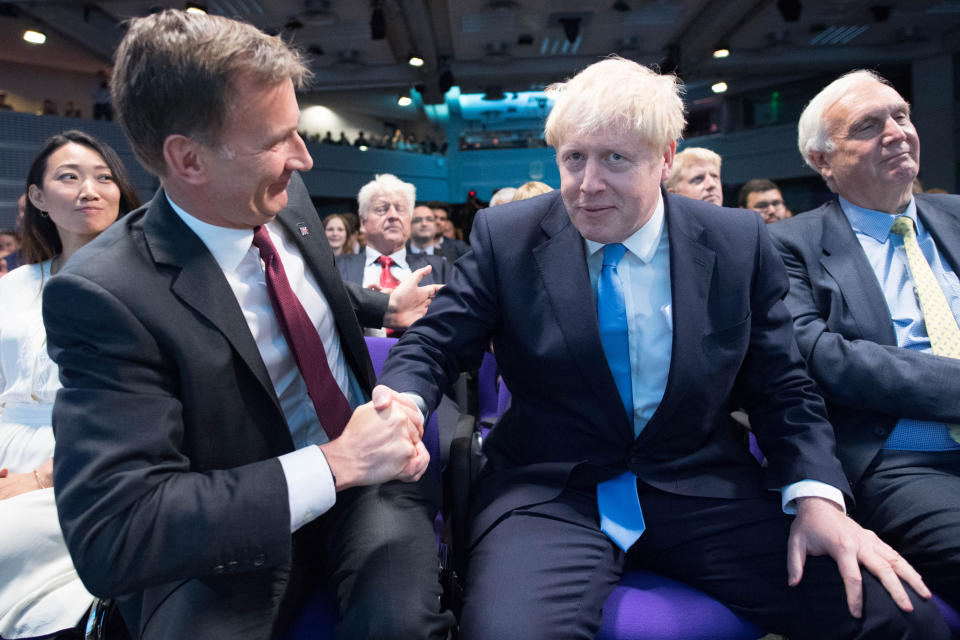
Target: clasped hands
x=821, y=528
x=383, y=441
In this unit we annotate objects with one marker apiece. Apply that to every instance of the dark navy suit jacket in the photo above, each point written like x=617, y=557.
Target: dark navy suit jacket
x=525, y=285
x=845, y=332
x=351, y=266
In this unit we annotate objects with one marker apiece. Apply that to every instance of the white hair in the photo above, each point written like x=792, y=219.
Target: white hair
x=617, y=96
x=691, y=156
x=503, y=196
x=812, y=134
x=385, y=183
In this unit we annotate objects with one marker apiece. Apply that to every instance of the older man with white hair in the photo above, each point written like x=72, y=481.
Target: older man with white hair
x=386, y=205
x=876, y=302
x=626, y=321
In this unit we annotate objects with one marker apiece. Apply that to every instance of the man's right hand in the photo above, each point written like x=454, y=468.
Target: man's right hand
x=382, y=442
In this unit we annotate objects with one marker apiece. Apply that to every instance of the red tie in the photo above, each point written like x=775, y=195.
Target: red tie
x=304, y=341
x=387, y=279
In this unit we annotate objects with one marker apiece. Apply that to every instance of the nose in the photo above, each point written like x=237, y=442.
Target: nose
x=893, y=131
x=592, y=181
x=88, y=189
x=300, y=159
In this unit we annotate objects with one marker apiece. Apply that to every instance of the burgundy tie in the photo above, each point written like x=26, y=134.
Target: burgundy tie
x=387, y=279
x=304, y=341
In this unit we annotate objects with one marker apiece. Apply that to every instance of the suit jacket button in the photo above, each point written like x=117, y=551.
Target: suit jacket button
x=880, y=431
x=217, y=570
x=259, y=560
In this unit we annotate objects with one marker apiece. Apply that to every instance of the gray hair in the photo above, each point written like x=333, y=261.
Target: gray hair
x=618, y=96
x=174, y=74
x=812, y=134
x=385, y=183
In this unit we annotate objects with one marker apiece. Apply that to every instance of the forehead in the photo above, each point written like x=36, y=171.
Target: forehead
x=260, y=109
x=73, y=153
x=423, y=211
x=391, y=197
x=698, y=167
x=862, y=100
x=606, y=140
x=770, y=194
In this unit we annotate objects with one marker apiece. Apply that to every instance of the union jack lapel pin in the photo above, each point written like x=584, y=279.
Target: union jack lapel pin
x=303, y=229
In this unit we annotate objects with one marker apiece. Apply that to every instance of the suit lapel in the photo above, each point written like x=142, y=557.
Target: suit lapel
x=843, y=258
x=562, y=264
x=945, y=229
x=691, y=272
x=198, y=281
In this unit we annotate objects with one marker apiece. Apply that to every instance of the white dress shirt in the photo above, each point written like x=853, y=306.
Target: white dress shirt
x=310, y=485
x=371, y=270
x=644, y=271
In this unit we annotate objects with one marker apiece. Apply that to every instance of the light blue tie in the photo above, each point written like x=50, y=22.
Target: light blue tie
x=620, y=515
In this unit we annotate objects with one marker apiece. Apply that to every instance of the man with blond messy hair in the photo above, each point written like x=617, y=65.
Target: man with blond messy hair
x=696, y=174
x=626, y=322
x=222, y=452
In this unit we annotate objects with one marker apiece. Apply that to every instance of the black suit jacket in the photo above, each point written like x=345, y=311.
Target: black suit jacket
x=526, y=286
x=845, y=332
x=168, y=428
x=351, y=266
x=451, y=249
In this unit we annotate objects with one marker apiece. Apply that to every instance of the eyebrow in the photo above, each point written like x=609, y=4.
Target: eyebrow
x=75, y=166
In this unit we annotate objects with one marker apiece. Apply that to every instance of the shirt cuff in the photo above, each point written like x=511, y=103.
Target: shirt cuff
x=421, y=405
x=809, y=489
x=310, y=486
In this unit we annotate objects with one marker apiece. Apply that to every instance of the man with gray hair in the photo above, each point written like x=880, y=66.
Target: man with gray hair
x=626, y=322
x=219, y=457
x=386, y=206
x=696, y=174
x=875, y=299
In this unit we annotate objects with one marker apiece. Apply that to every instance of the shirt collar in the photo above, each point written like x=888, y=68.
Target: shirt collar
x=228, y=246
x=875, y=224
x=399, y=256
x=645, y=240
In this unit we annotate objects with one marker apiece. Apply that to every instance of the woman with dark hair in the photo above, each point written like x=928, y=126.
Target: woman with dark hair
x=76, y=188
x=339, y=233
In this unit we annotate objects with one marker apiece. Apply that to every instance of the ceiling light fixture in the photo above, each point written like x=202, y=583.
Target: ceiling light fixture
x=721, y=52
x=415, y=61
x=404, y=101
x=719, y=87
x=34, y=37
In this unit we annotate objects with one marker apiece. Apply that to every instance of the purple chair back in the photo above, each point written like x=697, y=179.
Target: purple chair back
x=487, y=389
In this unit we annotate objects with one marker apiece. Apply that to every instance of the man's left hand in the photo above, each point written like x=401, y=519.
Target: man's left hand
x=409, y=301
x=821, y=528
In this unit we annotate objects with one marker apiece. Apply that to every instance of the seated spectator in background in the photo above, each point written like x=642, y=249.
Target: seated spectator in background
x=339, y=235
x=102, y=106
x=875, y=298
x=49, y=107
x=446, y=242
x=502, y=196
x=764, y=197
x=531, y=189
x=14, y=259
x=343, y=141
x=218, y=458
x=423, y=229
x=361, y=141
x=4, y=105
x=592, y=295
x=78, y=187
x=9, y=242
x=328, y=139
x=696, y=174
x=72, y=111
x=385, y=205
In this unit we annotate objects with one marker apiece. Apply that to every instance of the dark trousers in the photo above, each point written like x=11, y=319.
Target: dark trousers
x=912, y=500
x=546, y=570
x=377, y=554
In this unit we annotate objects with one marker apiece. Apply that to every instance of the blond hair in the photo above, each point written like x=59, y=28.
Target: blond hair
x=618, y=96
x=688, y=157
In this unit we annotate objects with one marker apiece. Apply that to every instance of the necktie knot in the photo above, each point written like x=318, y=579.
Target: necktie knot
x=612, y=254
x=261, y=238
x=385, y=261
x=902, y=226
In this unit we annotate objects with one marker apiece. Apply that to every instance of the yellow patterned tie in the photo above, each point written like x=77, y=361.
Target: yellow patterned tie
x=941, y=324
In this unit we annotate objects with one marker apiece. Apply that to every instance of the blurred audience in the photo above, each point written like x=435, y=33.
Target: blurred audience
x=77, y=187
x=445, y=241
x=696, y=174
x=531, y=189
x=423, y=229
x=339, y=233
x=764, y=197
x=502, y=196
